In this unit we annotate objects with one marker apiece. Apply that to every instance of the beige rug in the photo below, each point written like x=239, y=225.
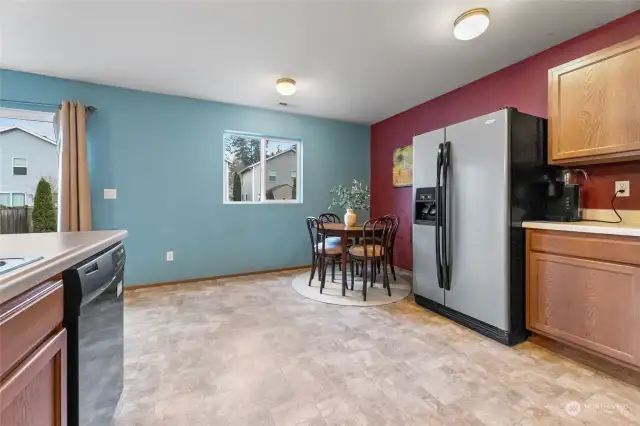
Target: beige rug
x=332, y=292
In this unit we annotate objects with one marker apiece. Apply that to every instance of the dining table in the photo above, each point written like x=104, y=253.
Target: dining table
x=344, y=232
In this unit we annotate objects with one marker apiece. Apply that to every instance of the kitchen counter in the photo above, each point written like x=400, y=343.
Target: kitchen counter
x=60, y=250
x=587, y=226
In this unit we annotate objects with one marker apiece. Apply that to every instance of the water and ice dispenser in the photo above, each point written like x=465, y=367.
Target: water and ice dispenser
x=425, y=210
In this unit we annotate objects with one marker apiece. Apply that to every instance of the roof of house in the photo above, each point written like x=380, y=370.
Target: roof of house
x=270, y=158
x=44, y=138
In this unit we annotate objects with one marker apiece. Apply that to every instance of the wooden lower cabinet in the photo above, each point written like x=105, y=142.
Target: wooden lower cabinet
x=590, y=303
x=35, y=393
x=33, y=358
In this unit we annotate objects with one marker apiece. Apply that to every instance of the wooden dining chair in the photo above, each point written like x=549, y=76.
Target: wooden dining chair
x=375, y=241
x=322, y=251
x=392, y=241
x=331, y=218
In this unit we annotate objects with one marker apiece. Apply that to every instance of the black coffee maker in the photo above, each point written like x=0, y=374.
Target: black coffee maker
x=564, y=197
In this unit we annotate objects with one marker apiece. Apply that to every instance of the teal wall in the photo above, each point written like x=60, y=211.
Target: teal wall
x=164, y=156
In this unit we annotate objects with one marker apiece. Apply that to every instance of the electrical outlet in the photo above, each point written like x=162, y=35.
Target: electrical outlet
x=623, y=185
x=110, y=194
x=170, y=256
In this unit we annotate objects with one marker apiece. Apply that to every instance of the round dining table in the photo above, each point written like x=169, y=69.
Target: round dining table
x=344, y=232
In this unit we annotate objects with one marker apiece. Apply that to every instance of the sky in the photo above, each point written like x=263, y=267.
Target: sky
x=39, y=127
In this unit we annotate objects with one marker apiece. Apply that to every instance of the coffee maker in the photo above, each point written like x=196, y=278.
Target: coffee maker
x=564, y=202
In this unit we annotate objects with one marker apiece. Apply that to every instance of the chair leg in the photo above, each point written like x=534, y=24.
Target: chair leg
x=378, y=263
x=323, y=273
x=313, y=268
x=351, y=271
x=393, y=269
x=333, y=271
x=373, y=271
x=386, y=276
x=364, y=282
x=357, y=267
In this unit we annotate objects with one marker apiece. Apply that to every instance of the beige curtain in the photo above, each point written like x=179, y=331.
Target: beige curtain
x=74, y=199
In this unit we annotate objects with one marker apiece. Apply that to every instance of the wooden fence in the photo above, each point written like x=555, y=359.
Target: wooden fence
x=15, y=220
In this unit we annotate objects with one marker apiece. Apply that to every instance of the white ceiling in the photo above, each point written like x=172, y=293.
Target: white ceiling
x=354, y=60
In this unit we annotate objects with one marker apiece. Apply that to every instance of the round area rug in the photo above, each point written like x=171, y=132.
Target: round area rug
x=332, y=292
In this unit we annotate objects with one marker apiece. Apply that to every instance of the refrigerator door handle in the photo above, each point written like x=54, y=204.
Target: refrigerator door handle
x=439, y=216
x=446, y=162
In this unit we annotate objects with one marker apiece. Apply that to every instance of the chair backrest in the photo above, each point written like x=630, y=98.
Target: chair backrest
x=329, y=218
x=394, y=230
x=316, y=231
x=377, y=231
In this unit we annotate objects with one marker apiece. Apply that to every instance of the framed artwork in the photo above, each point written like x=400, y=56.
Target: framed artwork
x=403, y=166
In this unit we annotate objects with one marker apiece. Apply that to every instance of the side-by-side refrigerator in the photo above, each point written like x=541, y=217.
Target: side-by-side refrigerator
x=474, y=184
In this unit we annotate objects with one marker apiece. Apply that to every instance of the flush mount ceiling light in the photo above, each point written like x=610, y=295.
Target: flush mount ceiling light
x=286, y=86
x=471, y=24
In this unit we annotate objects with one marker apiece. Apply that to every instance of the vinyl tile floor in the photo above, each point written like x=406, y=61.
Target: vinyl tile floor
x=251, y=351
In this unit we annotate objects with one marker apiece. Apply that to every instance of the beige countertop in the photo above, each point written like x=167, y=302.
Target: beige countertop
x=60, y=250
x=587, y=226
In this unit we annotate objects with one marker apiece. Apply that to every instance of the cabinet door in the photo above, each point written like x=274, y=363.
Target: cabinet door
x=34, y=394
x=594, y=113
x=585, y=302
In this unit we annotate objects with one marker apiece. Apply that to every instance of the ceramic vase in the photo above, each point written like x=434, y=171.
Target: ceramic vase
x=350, y=218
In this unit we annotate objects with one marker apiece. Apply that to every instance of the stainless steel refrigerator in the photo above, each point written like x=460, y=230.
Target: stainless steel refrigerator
x=474, y=184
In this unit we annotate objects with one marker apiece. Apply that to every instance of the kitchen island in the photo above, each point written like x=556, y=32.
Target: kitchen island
x=583, y=287
x=33, y=343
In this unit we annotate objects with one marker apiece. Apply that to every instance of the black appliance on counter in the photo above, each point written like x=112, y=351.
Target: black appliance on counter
x=566, y=205
x=93, y=317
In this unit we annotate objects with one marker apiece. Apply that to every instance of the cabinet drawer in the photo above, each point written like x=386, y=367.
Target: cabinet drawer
x=610, y=248
x=35, y=393
x=27, y=320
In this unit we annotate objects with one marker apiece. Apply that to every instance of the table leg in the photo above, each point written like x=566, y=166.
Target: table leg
x=343, y=263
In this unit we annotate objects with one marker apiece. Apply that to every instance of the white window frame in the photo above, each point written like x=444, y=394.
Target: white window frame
x=13, y=166
x=275, y=175
x=265, y=175
x=10, y=193
x=25, y=114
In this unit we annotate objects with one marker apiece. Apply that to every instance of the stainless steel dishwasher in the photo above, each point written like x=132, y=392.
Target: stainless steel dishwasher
x=93, y=317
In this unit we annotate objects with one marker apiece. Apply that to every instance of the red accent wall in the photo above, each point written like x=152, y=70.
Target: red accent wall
x=522, y=85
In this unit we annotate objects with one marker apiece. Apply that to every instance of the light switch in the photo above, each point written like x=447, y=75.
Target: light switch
x=110, y=194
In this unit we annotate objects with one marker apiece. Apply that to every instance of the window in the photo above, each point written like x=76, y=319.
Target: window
x=13, y=199
x=252, y=165
x=28, y=154
x=18, y=200
x=20, y=166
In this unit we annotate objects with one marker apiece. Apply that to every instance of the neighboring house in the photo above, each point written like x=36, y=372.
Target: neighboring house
x=25, y=157
x=282, y=171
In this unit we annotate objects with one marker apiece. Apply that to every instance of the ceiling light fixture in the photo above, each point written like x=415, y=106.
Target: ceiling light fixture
x=286, y=86
x=471, y=24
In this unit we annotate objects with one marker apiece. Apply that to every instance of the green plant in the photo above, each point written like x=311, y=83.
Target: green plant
x=294, y=191
x=237, y=187
x=44, y=212
x=354, y=197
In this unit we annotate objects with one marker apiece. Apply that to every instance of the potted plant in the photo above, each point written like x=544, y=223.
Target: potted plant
x=354, y=197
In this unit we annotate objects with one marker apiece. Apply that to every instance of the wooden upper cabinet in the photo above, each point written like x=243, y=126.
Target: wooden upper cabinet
x=594, y=107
